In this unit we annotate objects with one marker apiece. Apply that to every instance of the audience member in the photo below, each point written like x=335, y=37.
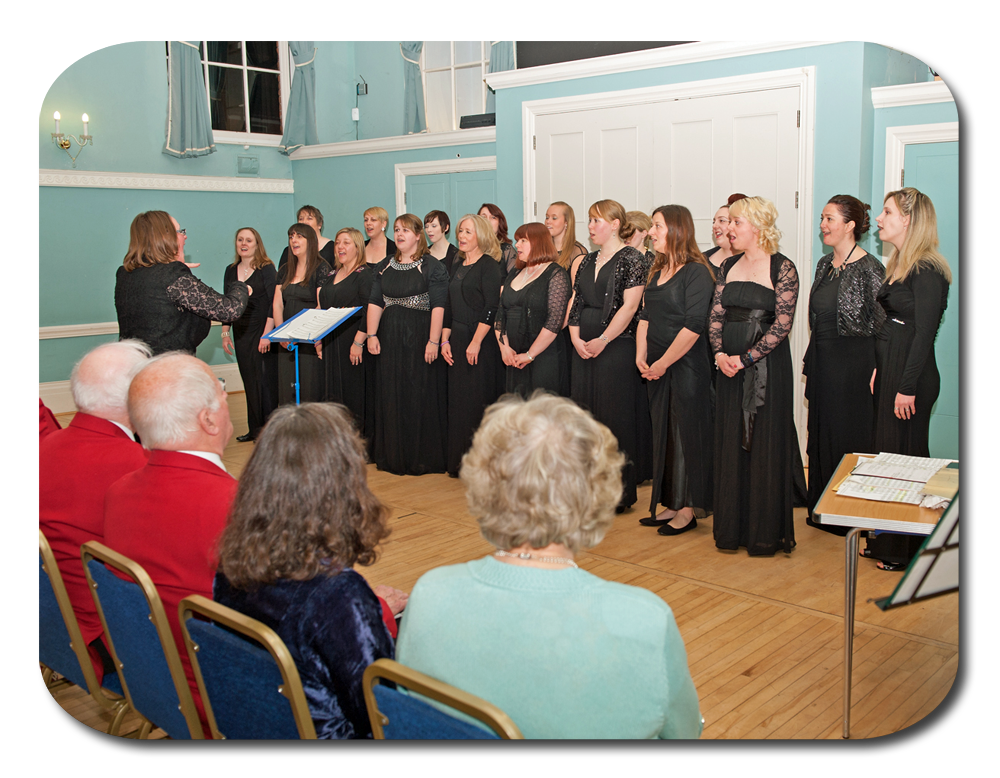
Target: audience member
x=562, y=652
x=47, y=422
x=78, y=464
x=168, y=515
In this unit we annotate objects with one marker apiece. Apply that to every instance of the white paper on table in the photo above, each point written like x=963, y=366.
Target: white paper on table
x=881, y=489
x=905, y=468
x=313, y=323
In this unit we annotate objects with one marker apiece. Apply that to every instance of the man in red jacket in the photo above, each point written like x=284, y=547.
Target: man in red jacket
x=168, y=515
x=78, y=464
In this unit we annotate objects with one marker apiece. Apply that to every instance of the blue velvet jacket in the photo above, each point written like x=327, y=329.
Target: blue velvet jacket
x=333, y=628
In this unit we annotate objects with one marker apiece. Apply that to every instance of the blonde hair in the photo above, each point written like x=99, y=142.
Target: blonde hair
x=260, y=257
x=609, y=210
x=359, y=244
x=762, y=215
x=569, y=250
x=920, y=246
x=485, y=236
x=642, y=223
x=542, y=471
x=379, y=213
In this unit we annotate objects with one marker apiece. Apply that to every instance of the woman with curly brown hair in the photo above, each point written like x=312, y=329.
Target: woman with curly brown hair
x=303, y=516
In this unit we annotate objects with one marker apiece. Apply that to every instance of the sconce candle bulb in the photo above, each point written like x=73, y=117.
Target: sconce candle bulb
x=86, y=121
x=57, y=117
x=63, y=141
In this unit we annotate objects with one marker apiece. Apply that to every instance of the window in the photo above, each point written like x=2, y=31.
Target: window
x=453, y=73
x=247, y=84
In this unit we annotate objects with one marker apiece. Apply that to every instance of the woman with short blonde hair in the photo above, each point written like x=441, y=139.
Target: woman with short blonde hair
x=576, y=656
x=377, y=246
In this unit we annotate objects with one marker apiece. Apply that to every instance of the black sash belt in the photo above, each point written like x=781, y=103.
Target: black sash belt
x=755, y=376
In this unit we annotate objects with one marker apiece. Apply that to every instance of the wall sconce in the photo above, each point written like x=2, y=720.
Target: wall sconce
x=63, y=141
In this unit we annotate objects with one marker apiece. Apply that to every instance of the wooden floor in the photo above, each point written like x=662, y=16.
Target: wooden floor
x=764, y=636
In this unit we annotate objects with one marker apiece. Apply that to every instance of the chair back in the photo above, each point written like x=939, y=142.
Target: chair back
x=60, y=643
x=398, y=716
x=248, y=682
x=140, y=641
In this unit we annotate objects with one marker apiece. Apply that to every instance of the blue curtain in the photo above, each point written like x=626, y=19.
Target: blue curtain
x=300, y=121
x=414, y=119
x=189, y=123
x=501, y=58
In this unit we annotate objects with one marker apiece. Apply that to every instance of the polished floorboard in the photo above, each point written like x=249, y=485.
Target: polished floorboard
x=764, y=636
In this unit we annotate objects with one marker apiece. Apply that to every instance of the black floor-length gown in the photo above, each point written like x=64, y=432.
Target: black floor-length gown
x=838, y=369
x=904, y=357
x=680, y=401
x=524, y=313
x=474, y=295
x=608, y=385
x=296, y=298
x=754, y=488
x=258, y=371
x=411, y=418
x=345, y=382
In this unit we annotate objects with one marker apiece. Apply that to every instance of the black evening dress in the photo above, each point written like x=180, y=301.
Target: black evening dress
x=296, y=298
x=680, y=402
x=904, y=358
x=449, y=258
x=258, y=371
x=411, y=420
x=524, y=313
x=327, y=252
x=844, y=317
x=344, y=382
x=755, y=445
x=609, y=384
x=473, y=297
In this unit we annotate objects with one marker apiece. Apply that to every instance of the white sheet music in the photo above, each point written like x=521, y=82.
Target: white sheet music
x=312, y=323
x=883, y=489
x=915, y=469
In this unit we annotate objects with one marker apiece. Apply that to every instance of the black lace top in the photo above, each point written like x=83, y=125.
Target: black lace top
x=547, y=296
x=785, y=279
x=627, y=275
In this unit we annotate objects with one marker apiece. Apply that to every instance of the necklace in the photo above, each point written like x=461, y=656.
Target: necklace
x=835, y=271
x=526, y=555
x=240, y=274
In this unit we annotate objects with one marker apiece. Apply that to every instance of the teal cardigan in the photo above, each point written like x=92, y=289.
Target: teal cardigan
x=564, y=653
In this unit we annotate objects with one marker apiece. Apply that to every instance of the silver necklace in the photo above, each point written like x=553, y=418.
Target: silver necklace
x=526, y=555
x=835, y=271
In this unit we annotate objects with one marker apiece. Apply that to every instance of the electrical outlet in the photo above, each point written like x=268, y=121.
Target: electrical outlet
x=356, y=114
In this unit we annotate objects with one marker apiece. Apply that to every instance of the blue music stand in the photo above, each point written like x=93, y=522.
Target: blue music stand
x=279, y=335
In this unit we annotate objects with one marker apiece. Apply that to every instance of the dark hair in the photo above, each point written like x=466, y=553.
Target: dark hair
x=501, y=221
x=681, y=244
x=852, y=210
x=543, y=249
x=302, y=507
x=442, y=218
x=313, y=211
x=312, y=255
x=734, y=197
x=413, y=224
x=152, y=241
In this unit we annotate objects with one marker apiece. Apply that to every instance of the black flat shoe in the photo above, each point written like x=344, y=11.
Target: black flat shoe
x=650, y=521
x=666, y=529
x=248, y=438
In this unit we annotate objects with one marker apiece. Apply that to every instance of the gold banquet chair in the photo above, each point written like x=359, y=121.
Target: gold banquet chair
x=395, y=715
x=141, y=643
x=61, y=648
x=248, y=682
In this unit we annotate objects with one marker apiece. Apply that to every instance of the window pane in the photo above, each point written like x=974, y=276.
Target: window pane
x=262, y=54
x=469, y=85
x=229, y=52
x=265, y=102
x=438, y=102
x=437, y=54
x=225, y=98
x=468, y=51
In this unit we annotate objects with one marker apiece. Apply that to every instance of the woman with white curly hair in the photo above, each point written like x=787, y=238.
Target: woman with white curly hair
x=564, y=653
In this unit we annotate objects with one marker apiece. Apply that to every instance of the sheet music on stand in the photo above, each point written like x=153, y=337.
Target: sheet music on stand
x=310, y=325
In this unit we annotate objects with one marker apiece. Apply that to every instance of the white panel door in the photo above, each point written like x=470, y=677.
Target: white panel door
x=694, y=152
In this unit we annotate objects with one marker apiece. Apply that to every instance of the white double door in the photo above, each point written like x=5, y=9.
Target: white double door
x=693, y=152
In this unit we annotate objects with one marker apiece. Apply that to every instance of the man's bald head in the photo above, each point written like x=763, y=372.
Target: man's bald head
x=100, y=380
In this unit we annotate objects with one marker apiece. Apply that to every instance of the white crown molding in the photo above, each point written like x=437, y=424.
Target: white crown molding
x=433, y=167
x=911, y=94
x=423, y=140
x=83, y=330
x=107, y=180
x=898, y=138
x=58, y=398
x=683, y=54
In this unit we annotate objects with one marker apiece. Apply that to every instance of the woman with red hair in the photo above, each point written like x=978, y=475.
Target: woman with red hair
x=532, y=312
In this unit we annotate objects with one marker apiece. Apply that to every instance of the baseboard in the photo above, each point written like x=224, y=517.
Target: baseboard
x=56, y=394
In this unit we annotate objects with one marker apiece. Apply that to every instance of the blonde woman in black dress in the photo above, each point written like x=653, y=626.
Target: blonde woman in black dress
x=672, y=355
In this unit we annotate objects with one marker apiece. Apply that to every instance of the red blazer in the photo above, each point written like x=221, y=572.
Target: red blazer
x=47, y=421
x=76, y=466
x=168, y=517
